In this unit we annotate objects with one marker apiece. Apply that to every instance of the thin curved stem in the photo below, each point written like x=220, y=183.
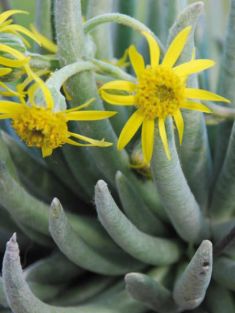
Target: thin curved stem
x=120, y=19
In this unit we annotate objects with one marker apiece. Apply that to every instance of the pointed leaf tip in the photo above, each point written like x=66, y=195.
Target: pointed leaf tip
x=56, y=208
x=101, y=185
x=12, y=245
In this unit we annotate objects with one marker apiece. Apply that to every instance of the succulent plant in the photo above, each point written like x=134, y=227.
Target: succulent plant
x=140, y=223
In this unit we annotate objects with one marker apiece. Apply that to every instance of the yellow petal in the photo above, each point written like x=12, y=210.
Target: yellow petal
x=89, y=115
x=12, y=92
x=46, y=92
x=117, y=99
x=195, y=106
x=18, y=28
x=12, y=51
x=93, y=142
x=4, y=16
x=202, y=94
x=77, y=144
x=45, y=42
x=119, y=85
x=66, y=93
x=137, y=60
x=147, y=139
x=130, y=128
x=176, y=47
x=163, y=136
x=13, y=63
x=179, y=122
x=6, y=116
x=10, y=107
x=46, y=152
x=192, y=67
x=5, y=71
x=20, y=87
x=153, y=49
x=82, y=106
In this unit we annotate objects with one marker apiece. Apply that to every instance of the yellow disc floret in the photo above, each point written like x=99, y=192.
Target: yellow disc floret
x=160, y=92
x=40, y=127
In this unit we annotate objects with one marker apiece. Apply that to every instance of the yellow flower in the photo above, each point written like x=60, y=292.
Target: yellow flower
x=160, y=91
x=42, y=127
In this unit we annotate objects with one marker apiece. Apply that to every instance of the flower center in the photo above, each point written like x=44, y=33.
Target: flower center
x=160, y=92
x=40, y=127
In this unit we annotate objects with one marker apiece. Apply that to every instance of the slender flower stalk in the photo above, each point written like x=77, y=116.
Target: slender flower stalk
x=39, y=125
x=159, y=92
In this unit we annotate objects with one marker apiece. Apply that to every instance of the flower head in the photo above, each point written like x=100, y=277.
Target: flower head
x=39, y=125
x=160, y=91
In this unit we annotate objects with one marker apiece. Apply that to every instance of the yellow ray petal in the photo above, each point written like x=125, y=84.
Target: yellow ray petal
x=66, y=93
x=195, y=106
x=10, y=107
x=193, y=66
x=163, y=136
x=82, y=106
x=89, y=115
x=20, y=87
x=45, y=42
x=179, y=122
x=46, y=92
x=6, y=116
x=4, y=16
x=147, y=139
x=21, y=29
x=5, y=71
x=202, y=94
x=12, y=51
x=12, y=92
x=137, y=60
x=130, y=128
x=77, y=144
x=93, y=142
x=153, y=49
x=46, y=152
x=119, y=85
x=31, y=94
x=176, y=47
x=13, y=63
x=117, y=99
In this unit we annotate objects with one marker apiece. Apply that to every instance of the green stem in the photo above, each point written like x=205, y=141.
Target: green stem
x=58, y=78
x=120, y=19
x=71, y=48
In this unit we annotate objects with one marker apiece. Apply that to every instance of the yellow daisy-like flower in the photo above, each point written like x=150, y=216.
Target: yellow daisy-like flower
x=160, y=91
x=42, y=127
